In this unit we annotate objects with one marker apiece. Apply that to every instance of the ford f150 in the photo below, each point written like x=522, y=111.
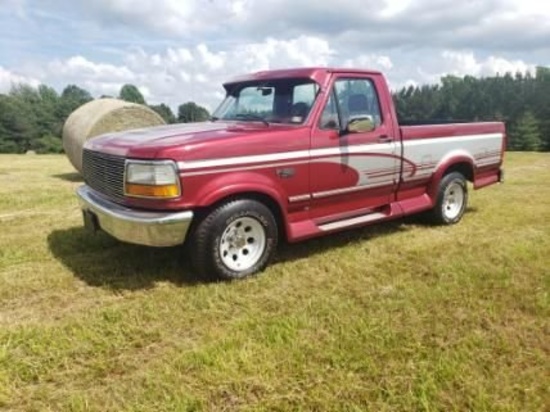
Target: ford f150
x=289, y=154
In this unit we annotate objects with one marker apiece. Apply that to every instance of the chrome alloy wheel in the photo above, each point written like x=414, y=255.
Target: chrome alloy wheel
x=453, y=200
x=242, y=244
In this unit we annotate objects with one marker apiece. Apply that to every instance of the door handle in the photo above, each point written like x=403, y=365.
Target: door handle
x=384, y=138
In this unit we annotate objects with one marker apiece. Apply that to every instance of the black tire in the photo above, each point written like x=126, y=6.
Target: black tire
x=452, y=200
x=230, y=234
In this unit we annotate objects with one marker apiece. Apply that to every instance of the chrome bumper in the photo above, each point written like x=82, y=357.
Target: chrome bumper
x=134, y=226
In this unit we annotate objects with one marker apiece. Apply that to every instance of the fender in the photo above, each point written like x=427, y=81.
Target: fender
x=451, y=159
x=225, y=185
x=233, y=184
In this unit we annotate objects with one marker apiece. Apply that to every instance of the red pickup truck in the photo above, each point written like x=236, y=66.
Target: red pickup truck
x=289, y=154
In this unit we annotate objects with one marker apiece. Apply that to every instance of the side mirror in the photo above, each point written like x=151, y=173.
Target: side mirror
x=266, y=91
x=361, y=124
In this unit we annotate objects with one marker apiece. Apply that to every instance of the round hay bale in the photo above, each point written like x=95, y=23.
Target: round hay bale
x=103, y=116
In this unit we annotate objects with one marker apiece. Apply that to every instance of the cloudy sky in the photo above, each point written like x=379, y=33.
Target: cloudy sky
x=181, y=50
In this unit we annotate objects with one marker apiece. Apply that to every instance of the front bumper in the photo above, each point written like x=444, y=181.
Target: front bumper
x=148, y=228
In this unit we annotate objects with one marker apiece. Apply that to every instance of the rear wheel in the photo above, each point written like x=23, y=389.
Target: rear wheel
x=452, y=199
x=235, y=240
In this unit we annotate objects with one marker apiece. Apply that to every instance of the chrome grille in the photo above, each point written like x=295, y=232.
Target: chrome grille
x=104, y=173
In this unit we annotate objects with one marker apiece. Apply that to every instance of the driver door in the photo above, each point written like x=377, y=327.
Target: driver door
x=352, y=172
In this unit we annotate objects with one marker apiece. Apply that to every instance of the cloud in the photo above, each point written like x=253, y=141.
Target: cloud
x=176, y=51
x=98, y=78
x=168, y=17
x=8, y=79
x=466, y=63
x=370, y=61
x=182, y=74
x=351, y=25
x=177, y=75
x=16, y=7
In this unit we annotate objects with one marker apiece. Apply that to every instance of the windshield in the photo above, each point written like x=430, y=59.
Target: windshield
x=273, y=101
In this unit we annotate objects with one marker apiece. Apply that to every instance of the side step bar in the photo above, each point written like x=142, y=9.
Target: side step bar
x=358, y=220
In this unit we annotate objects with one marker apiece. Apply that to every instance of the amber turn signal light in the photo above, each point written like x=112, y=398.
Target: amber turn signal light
x=160, y=191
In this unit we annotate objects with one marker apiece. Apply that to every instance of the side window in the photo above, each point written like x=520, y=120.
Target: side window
x=303, y=96
x=304, y=93
x=357, y=98
x=329, y=117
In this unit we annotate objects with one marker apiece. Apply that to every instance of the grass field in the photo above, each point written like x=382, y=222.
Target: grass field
x=395, y=317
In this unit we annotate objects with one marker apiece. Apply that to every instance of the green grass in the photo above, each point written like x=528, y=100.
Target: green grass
x=394, y=317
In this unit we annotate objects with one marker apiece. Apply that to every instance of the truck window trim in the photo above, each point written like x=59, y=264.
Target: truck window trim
x=334, y=95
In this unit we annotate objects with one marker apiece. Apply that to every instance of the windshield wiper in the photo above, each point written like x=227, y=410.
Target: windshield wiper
x=251, y=116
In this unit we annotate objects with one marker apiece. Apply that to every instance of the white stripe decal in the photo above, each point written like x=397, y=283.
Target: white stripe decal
x=272, y=157
x=314, y=154
x=438, y=140
x=240, y=168
x=232, y=161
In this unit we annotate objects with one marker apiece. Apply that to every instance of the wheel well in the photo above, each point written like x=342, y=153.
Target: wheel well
x=267, y=200
x=463, y=168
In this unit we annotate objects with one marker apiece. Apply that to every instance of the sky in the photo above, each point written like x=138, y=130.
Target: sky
x=176, y=51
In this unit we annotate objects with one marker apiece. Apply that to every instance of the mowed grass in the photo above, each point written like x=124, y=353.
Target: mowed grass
x=393, y=317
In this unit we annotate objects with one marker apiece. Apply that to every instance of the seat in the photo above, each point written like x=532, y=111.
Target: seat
x=358, y=104
x=300, y=110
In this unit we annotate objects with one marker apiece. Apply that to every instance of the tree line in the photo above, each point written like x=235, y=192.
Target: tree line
x=522, y=101
x=32, y=118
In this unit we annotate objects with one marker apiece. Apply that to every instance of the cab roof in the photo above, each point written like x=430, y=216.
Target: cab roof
x=318, y=74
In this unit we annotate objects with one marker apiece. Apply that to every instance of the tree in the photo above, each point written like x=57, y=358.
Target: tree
x=525, y=135
x=541, y=104
x=17, y=125
x=75, y=96
x=131, y=93
x=48, y=121
x=165, y=112
x=72, y=97
x=191, y=112
x=47, y=144
x=32, y=118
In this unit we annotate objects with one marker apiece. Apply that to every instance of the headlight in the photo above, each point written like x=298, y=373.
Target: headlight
x=152, y=179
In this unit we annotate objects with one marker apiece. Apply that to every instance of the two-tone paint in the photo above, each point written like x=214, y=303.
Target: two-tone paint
x=316, y=180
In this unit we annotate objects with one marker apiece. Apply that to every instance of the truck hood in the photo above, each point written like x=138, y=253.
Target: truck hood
x=148, y=141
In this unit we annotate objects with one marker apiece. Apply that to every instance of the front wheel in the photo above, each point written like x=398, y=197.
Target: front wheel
x=452, y=199
x=235, y=240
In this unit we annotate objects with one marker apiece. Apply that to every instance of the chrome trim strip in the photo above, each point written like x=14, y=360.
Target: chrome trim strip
x=299, y=198
x=418, y=177
x=328, y=193
x=136, y=226
x=352, y=221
